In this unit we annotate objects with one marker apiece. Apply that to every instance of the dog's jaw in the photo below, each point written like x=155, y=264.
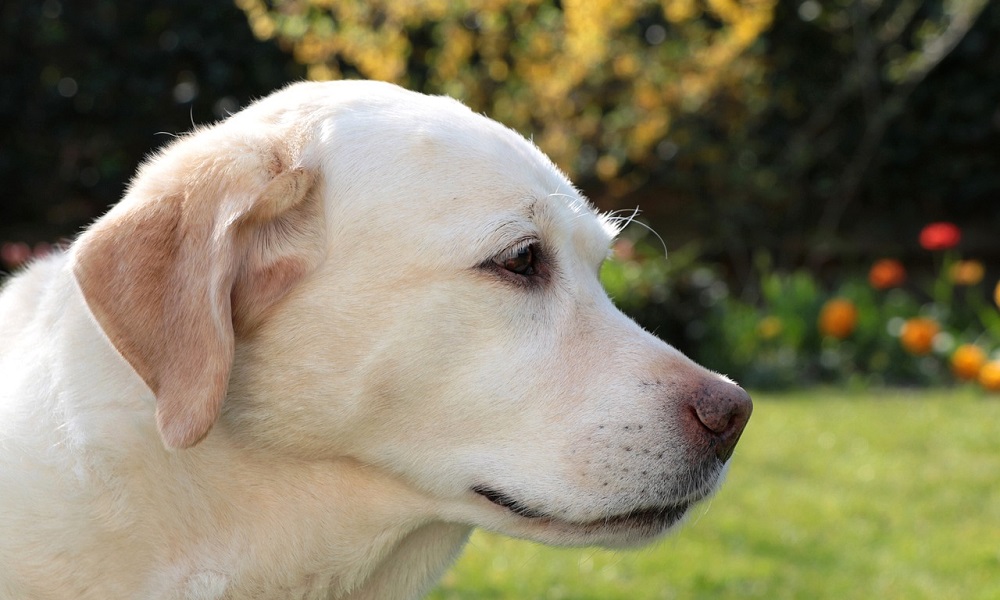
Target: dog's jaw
x=625, y=529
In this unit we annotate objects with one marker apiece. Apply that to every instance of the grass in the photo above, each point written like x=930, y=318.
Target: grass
x=832, y=494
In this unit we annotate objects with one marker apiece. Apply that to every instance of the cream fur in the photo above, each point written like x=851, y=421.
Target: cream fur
x=289, y=364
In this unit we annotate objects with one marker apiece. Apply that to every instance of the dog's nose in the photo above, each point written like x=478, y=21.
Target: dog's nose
x=723, y=409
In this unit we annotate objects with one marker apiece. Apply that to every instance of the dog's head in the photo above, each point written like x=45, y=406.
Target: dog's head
x=352, y=270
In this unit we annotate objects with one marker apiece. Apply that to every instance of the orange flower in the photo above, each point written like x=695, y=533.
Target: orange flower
x=940, y=236
x=989, y=376
x=996, y=294
x=918, y=334
x=966, y=272
x=837, y=318
x=887, y=273
x=967, y=361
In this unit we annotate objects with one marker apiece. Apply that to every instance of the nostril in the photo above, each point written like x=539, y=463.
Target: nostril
x=723, y=408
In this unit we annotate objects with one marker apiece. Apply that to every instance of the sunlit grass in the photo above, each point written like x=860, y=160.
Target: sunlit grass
x=881, y=495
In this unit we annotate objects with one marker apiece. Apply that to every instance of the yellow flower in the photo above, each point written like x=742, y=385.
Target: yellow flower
x=918, y=334
x=989, y=376
x=769, y=327
x=967, y=361
x=967, y=272
x=837, y=318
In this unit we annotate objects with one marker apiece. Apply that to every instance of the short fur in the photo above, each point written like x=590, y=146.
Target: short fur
x=293, y=362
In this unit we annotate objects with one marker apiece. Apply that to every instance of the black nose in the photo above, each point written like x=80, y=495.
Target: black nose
x=723, y=409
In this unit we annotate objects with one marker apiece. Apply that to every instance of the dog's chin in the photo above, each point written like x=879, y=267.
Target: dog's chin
x=615, y=530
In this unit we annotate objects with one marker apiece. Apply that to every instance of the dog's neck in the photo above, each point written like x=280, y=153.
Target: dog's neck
x=415, y=564
x=386, y=547
x=219, y=507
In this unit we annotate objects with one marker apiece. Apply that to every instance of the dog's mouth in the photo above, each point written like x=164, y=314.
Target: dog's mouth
x=645, y=521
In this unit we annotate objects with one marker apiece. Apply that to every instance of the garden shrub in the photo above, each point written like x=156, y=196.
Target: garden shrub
x=788, y=329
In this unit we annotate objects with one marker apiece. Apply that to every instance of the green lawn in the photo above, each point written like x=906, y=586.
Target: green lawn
x=831, y=494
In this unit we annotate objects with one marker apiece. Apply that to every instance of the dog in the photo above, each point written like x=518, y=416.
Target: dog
x=317, y=343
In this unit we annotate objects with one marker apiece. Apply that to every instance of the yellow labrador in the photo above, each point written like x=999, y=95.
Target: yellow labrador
x=316, y=344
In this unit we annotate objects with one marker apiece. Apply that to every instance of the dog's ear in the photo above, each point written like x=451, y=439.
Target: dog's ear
x=211, y=235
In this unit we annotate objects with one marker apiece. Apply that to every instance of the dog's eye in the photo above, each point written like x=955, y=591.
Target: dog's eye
x=520, y=260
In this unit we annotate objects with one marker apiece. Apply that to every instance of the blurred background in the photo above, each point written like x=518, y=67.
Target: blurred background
x=779, y=149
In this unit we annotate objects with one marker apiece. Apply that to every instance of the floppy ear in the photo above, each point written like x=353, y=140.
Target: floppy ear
x=210, y=236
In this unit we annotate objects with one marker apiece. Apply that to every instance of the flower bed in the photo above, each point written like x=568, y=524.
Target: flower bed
x=886, y=326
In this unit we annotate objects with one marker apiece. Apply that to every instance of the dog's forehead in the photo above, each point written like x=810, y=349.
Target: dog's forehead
x=499, y=188
x=431, y=163
x=513, y=190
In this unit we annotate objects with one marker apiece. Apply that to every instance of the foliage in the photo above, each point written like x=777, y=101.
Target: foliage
x=791, y=329
x=597, y=84
x=751, y=125
x=842, y=156
x=668, y=296
x=831, y=495
x=869, y=76
x=818, y=130
x=91, y=86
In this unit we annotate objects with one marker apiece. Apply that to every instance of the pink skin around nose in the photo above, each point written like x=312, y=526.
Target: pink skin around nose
x=719, y=412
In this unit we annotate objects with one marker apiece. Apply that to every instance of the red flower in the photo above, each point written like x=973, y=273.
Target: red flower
x=940, y=236
x=887, y=273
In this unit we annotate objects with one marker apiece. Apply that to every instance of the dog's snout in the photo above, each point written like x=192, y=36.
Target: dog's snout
x=722, y=409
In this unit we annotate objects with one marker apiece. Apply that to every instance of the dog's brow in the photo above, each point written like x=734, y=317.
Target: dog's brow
x=499, y=227
x=510, y=227
x=504, y=232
